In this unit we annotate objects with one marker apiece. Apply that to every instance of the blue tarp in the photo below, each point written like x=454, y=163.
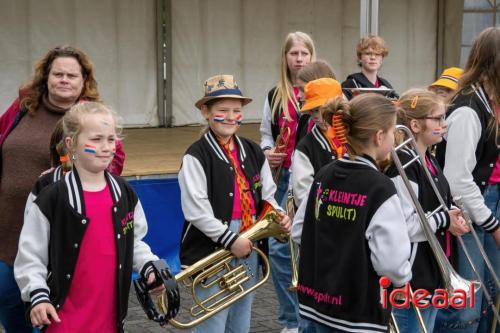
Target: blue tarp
x=161, y=200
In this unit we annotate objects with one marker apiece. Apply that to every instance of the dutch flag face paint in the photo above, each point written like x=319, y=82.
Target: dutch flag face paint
x=89, y=149
x=219, y=118
x=437, y=133
x=239, y=119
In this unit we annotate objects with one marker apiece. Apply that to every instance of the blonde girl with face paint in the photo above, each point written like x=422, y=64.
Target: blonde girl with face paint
x=82, y=236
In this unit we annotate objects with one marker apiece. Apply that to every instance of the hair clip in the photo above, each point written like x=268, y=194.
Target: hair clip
x=397, y=103
x=414, y=102
x=339, y=129
x=64, y=158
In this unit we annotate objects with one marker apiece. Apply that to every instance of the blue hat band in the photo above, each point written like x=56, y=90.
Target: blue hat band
x=224, y=92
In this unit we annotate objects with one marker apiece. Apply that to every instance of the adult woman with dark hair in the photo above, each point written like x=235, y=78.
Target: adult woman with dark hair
x=472, y=166
x=62, y=78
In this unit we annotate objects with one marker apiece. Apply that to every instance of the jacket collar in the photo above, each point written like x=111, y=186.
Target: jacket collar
x=320, y=137
x=219, y=152
x=360, y=160
x=481, y=94
x=58, y=173
x=361, y=81
x=75, y=190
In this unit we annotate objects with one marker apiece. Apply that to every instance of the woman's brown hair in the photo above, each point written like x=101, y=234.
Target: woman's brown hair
x=483, y=67
x=32, y=92
x=483, y=63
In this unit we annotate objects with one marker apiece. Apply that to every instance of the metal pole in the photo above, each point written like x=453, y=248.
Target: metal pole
x=364, y=18
x=374, y=18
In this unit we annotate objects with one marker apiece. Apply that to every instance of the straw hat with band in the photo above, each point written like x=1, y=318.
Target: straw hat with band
x=318, y=92
x=221, y=86
x=449, y=78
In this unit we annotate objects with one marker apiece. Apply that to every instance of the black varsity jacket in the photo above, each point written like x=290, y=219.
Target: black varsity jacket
x=470, y=148
x=312, y=153
x=206, y=179
x=359, y=80
x=354, y=232
x=54, y=227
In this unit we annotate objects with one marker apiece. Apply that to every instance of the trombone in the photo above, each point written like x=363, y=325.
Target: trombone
x=451, y=279
x=458, y=200
x=393, y=325
x=218, y=269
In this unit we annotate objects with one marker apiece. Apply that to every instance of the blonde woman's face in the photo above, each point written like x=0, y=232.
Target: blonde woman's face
x=297, y=57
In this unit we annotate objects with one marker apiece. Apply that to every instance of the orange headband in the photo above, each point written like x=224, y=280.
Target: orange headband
x=64, y=158
x=339, y=128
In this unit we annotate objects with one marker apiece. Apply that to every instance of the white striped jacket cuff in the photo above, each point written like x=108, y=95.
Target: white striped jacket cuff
x=227, y=238
x=38, y=296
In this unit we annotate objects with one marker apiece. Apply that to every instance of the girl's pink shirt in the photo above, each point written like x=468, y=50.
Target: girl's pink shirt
x=495, y=175
x=292, y=125
x=91, y=305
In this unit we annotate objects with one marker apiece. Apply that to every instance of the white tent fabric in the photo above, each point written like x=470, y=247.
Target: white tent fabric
x=236, y=37
x=244, y=38
x=118, y=35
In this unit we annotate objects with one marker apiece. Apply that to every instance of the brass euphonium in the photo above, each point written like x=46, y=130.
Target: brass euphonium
x=217, y=270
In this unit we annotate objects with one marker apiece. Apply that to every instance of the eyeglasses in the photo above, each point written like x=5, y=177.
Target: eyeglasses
x=441, y=119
